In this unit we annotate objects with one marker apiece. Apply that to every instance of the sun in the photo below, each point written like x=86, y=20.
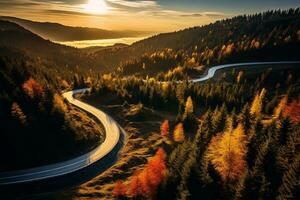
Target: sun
x=95, y=7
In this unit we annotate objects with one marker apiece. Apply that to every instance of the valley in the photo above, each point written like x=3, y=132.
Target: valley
x=207, y=112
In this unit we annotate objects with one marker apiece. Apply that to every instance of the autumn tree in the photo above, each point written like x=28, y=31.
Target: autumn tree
x=178, y=134
x=135, y=186
x=33, y=89
x=189, y=120
x=256, y=106
x=145, y=182
x=227, y=153
x=292, y=110
x=119, y=189
x=280, y=107
x=59, y=104
x=189, y=108
x=164, y=128
x=239, y=76
x=17, y=113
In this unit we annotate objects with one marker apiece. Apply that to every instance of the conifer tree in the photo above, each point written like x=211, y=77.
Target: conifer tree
x=227, y=153
x=289, y=188
x=256, y=106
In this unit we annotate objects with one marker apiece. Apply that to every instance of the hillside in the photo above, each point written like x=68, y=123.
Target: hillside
x=62, y=33
x=35, y=118
x=241, y=38
x=54, y=55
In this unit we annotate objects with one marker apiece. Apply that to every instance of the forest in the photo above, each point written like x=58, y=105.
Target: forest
x=38, y=126
x=236, y=136
x=232, y=139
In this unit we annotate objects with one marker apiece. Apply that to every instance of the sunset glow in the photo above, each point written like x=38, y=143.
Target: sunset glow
x=95, y=7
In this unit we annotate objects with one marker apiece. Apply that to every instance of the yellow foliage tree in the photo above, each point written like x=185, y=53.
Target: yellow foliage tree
x=58, y=103
x=17, y=113
x=227, y=152
x=280, y=107
x=178, y=134
x=239, y=76
x=189, y=108
x=256, y=106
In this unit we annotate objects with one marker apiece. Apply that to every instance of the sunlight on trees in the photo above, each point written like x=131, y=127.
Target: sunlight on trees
x=59, y=104
x=227, y=152
x=144, y=183
x=33, y=89
x=256, y=106
x=178, y=134
x=165, y=128
x=189, y=108
x=239, y=76
x=280, y=107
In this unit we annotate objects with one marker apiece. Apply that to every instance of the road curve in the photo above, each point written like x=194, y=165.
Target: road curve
x=112, y=131
x=211, y=72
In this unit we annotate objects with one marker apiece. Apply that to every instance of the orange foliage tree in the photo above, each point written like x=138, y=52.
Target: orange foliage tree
x=119, y=189
x=292, y=110
x=145, y=182
x=227, y=153
x=33, y=89
x=135, y=188
x=178, y=134
x=164, y=128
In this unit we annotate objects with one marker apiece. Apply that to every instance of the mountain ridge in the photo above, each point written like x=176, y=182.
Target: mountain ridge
x=63, y=33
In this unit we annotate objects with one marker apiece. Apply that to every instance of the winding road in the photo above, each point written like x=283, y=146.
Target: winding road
x=112, y=131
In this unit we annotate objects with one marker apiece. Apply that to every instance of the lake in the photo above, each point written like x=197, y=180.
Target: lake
x=102, y=42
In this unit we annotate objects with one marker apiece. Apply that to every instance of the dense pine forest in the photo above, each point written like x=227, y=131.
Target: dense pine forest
x=272, y=36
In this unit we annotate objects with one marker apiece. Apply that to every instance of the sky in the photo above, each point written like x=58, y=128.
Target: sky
x=140, y=15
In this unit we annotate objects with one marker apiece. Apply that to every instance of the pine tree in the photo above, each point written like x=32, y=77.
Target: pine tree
x=280, y=107
x=245, y=117
x=289, y=188
x=256, y=106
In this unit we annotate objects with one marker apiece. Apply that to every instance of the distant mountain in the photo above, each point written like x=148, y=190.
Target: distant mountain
x=62, y=33
x=13, y=36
